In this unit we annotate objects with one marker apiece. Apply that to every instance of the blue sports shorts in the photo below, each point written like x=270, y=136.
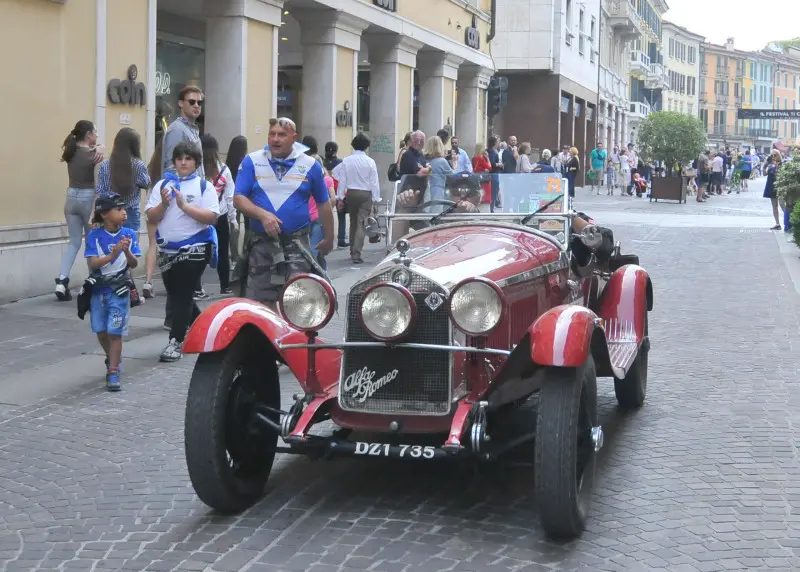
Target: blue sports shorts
x=110, y=313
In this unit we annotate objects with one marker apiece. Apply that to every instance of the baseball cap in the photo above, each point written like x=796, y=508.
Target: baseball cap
x=108, y=202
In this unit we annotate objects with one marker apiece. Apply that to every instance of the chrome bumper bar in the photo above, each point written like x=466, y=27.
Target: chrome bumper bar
x=343, y=345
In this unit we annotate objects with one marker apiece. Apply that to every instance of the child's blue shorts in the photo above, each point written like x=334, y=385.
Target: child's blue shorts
x=110, y=313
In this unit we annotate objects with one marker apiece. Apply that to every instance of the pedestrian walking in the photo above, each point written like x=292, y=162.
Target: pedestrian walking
x=633, y=163
x=125, y=174
x=151, y=257
x=81, y=153
x=330, y=162
x=359, y=188
x=717, y=165
x=573, y=167
x=317, y=232
x=493, y=151
x=219, y=175
x=481, y=165
x=237, y=150
x=703, y=175
x=773, y=164
x=111, y=252
x=597, y=160
x=747, y=169
x=272, y=189
x=185, y=209
x=613, y=169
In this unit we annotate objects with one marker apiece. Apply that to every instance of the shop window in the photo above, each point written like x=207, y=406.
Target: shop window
x=177, y=65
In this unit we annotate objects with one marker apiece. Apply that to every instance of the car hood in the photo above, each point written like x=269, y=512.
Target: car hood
x=451, y=254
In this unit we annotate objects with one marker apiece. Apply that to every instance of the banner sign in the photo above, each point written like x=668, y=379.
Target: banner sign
x=768, y=114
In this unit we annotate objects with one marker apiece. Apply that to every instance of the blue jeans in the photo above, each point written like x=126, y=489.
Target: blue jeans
x=134, y=217
x=317, y=235
x=78, y=214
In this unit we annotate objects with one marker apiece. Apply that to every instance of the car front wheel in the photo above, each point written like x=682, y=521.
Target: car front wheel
x=228, y=456
x=565, y=454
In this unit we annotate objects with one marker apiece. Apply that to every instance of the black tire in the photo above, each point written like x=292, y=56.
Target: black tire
x=632, y=389
x=564, y=460
x=228, y=457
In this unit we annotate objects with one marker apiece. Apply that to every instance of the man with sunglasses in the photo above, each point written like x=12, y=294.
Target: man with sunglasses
x=273, y=188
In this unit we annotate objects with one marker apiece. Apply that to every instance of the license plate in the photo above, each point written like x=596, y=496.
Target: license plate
x=398, y=451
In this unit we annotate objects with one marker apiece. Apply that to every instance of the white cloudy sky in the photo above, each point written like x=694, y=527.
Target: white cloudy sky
x=746, y=20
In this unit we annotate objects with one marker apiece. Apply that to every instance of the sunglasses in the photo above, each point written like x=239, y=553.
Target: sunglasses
x=194, y=101
x=283, y=122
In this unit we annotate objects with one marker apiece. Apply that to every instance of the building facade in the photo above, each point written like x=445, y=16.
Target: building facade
x=620, y=25
x=549, y=51
x=682, y=60
x=648, y=77
x=254, y=59
x=732, y=79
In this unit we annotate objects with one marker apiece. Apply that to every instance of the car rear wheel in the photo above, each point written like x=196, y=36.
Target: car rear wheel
x=632, y=389
x=228, y=456
x=564, y=461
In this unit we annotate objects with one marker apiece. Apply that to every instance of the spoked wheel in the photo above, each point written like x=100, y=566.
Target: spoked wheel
x=567, y=440
x=229, y=457
x=632, y=389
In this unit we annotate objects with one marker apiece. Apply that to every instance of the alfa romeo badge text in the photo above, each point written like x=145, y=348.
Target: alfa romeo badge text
x=361, y=385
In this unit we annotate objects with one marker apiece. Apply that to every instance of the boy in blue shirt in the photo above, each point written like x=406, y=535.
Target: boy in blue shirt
x=111, y=252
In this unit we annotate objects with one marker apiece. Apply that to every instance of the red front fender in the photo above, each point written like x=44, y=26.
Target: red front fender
x=220, y=323
x=562, y=336
x=626, y=300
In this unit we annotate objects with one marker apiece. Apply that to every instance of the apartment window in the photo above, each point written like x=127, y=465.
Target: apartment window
x=786, y=103
x=591, y=39
x=752, y=90
x=581, y=37
x=672, y=47
x=568, y=18
x=777, y=80
x=785, y=80
x=794, y=82
x=692, y=55
x=690, y=108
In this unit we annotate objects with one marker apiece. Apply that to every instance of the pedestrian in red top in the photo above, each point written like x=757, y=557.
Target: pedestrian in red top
x=480, y=164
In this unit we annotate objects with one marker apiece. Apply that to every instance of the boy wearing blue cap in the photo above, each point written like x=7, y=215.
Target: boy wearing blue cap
x=111, y=252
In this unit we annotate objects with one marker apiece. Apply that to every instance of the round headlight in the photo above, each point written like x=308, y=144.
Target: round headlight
x=307, y=303
x=476, y=307
x=387, y=311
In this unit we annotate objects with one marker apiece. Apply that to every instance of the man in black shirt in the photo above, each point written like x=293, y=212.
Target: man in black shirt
x=413, y=161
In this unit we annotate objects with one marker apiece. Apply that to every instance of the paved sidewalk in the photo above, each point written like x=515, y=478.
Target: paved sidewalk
x=45, y=349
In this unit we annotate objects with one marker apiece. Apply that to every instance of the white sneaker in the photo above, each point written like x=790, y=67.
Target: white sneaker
x=172, y=352
x=147, y=290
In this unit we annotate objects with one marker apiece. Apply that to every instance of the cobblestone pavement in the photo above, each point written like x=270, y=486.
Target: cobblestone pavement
x=704, y=477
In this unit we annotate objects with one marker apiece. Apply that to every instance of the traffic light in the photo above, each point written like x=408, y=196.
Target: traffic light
x=497, y=95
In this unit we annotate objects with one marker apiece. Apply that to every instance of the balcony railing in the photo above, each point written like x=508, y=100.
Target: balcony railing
x=722, y=99
x=640, y=63
x=657, y=77
x=703, y=97
x=703, y=69
x=640, y=109
x=624, y=19
x=723, y=72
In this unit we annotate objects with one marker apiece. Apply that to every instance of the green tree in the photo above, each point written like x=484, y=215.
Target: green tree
x=672, y=137
x=787, y=183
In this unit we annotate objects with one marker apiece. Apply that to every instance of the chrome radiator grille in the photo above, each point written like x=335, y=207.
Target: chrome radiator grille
x=412, y=381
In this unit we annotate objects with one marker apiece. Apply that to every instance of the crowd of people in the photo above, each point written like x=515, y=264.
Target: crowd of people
x=284, y=195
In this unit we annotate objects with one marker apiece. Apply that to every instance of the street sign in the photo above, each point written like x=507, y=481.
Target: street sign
x=768, y=114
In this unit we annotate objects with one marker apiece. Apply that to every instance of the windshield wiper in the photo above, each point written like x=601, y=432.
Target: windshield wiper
x=446, y=211
x=540, y=209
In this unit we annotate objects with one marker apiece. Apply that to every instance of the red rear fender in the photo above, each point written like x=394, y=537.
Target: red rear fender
x=626, y=300
x=562, y=336
x=220, y=323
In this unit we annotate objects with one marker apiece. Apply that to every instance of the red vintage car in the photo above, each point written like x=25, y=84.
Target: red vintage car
x=470, y=318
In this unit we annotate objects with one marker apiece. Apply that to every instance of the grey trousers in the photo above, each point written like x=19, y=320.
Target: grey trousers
x=78, y=214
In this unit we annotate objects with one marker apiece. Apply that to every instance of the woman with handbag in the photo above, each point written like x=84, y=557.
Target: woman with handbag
x=219, y=175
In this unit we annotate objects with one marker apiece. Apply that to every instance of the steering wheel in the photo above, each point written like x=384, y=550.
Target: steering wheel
x=441, y=202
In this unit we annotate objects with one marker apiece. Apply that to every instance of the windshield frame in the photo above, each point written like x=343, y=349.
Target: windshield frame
x=491, y=218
